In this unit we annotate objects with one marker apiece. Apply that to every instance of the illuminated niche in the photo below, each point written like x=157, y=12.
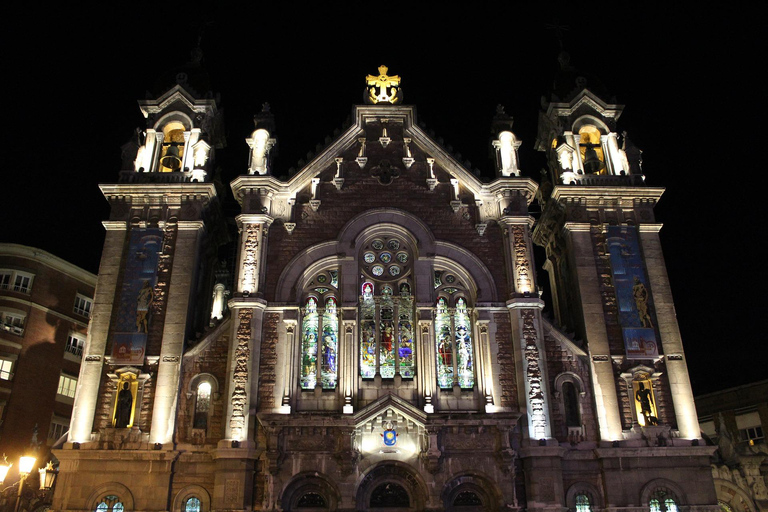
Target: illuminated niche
x=172, y=150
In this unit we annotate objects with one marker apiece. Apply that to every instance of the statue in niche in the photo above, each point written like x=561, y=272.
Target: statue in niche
x=640, y=293
x=143, y=301
x=645, y=397
x=124, y=406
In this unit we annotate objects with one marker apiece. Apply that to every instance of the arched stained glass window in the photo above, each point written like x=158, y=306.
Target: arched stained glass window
x=444, y=345
x=670, y=505
x=309, y=345
x=405, y=334
x=387, y=345
x=202, y=405
x=367, y=332
x=192, y=505
x=455, y=353
x=330, y=347
x=582, y=503
x=654, y=505
x=465, y=359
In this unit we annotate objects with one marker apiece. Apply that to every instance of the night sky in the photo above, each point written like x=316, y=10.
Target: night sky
x=688, y=79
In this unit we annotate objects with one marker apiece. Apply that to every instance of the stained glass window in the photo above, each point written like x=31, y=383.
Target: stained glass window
x=453, y=340
x=110, y=503
x=465, y=358
x=405, y=338
x=582, y=503
x=192, y=505
x=367, y=333
x=444, y=345
x=329, y=365
x=654, y=505
x=670, y=504
x=387, y=346
x=309, y=345
x=202, y=405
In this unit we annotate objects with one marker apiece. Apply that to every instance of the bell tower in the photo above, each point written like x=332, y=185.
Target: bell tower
x=158, y=260
x=607, y=273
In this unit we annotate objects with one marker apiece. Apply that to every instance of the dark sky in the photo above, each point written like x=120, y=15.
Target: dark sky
x=688, y=78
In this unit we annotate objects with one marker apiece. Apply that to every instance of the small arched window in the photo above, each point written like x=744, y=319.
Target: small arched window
x=202, y=405
x=571, y=406
x=582, y=500
x=662, y=501
x=192, y=505
x=110, y=503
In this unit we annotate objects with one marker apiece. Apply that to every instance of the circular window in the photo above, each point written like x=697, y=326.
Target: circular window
x=449, y=279
x=385, y=257
x=377, y=244
x=394, y=245
x=402, y=257
x=394, y=270
x=322, y=278
x=377, y=270
x=369, y=257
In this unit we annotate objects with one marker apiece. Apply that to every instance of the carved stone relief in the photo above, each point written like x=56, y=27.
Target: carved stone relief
x=250, y=256
x=522, y=264
x=240, y=374
x=533, y=375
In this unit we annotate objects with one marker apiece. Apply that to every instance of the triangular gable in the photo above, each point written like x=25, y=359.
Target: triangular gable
x=380, y=407
x=172, y=95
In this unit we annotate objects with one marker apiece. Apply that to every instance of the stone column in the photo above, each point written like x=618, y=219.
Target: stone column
x=87, y=393
x=677, y=369
x=525, y=310
x=593, y=318
x=183, y=274
x=425, y=359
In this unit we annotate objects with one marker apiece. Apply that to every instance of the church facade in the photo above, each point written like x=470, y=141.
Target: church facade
x=379, y=341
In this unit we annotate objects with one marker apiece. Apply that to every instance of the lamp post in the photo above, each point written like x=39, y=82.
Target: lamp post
x=26, y=463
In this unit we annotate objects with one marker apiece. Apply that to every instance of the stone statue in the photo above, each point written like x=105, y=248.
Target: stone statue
x=143, y=301
x=640, y=293
x=124, y=406
x=645, y=398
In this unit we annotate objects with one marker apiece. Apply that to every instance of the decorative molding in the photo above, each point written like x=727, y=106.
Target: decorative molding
x=289, y=227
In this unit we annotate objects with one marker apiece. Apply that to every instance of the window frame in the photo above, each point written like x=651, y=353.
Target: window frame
x=66, y=383
x=16, y=328
x=6, y=361
x=14, y=275
x=87, y=308
x=79, y=347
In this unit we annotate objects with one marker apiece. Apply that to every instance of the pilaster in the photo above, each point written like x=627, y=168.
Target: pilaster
x=183, y=274
x=84, y=409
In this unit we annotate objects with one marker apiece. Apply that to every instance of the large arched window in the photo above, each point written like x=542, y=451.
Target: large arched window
x=330, y=345
x=386, y=310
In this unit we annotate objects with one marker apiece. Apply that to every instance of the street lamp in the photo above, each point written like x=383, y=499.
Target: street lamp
x=47, y=476
x=5, y=466
x=26, y=463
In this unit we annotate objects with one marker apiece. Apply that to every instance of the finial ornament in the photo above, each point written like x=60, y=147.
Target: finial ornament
x=383, y=88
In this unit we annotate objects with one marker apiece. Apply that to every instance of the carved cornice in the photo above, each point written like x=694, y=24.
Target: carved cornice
x=596, y=197
x=160, y=194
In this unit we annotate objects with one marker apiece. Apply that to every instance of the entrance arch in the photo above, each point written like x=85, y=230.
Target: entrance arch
x=391, y=487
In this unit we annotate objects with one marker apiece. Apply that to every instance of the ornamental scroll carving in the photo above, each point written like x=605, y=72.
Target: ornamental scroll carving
x=240, y=374
x=164, y=264
x=533, y=375
x=522, y=265
x=250, y=257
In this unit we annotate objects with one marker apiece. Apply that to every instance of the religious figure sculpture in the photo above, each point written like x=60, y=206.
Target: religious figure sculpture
x=143, y=301
x=124, y=406
x=645, y=397
x=640, y=294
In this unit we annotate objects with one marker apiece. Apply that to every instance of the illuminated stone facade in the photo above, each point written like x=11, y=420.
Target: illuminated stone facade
x=383, y=343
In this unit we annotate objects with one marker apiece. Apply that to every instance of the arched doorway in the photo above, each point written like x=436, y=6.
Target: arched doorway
x=391, y=487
